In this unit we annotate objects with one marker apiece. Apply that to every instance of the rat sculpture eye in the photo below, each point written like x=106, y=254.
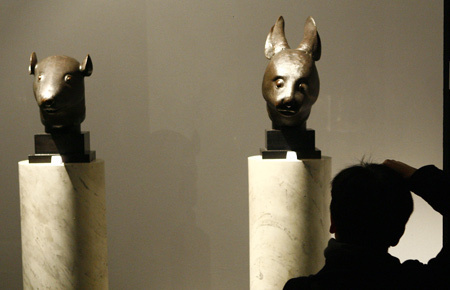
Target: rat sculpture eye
x=302, y=86
x=67, y=78
x=39, y=78
x=279, y=83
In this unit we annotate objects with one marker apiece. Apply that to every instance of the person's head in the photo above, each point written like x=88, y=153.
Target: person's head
x=370, y=205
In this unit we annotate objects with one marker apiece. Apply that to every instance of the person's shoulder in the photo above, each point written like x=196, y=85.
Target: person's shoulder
x=298, y=283
x=413, y=268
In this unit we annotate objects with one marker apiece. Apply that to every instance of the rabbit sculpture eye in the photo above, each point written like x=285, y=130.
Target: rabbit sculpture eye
x=59, y=91
x=291, y=81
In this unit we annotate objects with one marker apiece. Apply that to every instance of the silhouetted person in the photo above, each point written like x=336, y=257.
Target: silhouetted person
x=370, y=206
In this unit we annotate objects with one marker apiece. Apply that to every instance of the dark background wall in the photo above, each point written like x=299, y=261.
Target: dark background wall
x=174, y=107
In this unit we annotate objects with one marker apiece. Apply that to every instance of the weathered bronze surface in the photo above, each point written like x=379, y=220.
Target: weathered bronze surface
x=291, y=82
x=59, y=91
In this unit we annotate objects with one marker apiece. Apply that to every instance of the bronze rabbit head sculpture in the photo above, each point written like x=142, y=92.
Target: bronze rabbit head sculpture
x=291, y=81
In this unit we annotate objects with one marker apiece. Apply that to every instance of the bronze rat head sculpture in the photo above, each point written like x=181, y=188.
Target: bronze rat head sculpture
x=291, y=82
x=59, y=91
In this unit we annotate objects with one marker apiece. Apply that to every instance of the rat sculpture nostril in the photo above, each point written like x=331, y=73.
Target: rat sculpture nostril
x=48, y=103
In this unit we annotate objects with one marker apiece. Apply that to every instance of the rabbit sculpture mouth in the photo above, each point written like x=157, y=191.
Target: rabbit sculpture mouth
x=287, y=110
x=50, y=110
x=291, y=81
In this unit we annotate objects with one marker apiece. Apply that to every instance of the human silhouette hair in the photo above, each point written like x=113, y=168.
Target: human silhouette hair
x=370, y=205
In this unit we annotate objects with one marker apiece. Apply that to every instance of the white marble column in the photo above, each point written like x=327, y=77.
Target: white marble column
x=63, y=223
x=289, y=219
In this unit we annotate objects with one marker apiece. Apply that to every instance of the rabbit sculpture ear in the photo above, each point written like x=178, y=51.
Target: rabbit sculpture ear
x=276, y=40
x=311, y=40
x=33, y=62
x=86, y=66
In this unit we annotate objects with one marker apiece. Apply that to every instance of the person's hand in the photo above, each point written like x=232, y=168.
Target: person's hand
x=404, y=169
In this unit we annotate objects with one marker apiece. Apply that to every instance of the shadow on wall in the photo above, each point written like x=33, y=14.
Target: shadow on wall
x=175, y=251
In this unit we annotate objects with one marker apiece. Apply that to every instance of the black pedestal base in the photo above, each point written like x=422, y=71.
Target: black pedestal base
x=279, y=142
x=72, y=147
x=281, y=154
x=71, y=158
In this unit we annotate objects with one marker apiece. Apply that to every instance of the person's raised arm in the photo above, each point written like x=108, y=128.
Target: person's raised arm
x=433, y=186
x=404, y=169
x=428, y=182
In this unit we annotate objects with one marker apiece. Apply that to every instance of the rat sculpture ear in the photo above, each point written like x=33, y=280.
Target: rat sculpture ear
x=86, y=66
x=311, y=40
x=33, y=62
x=276, y=40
